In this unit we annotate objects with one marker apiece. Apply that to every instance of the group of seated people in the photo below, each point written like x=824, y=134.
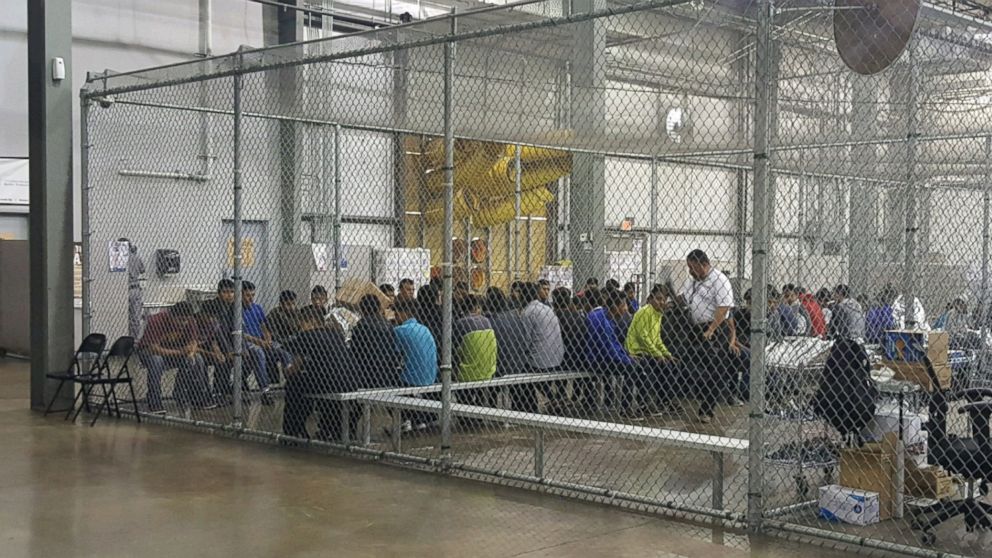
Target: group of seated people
x=653, y=348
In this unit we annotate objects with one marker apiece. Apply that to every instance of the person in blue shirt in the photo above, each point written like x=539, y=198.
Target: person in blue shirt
x=258, y=343
x=630, y=290
x=605, y=351
x=417, y=345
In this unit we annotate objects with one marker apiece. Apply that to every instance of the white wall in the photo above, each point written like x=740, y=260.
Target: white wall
x=120, y=35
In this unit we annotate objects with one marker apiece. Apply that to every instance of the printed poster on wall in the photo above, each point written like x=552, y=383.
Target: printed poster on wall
x=118, y=254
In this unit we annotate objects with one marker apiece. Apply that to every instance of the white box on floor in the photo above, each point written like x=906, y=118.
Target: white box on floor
x=856, y=507
x=887, y=420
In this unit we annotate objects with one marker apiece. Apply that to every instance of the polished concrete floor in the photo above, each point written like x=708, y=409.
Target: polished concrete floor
x=122, y=489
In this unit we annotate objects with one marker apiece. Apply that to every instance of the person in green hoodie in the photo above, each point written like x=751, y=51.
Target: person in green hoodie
x=645, y=344
x=475, y=345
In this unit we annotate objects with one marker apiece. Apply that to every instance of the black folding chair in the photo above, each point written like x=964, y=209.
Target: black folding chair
x=107, y=381
x=93, y=345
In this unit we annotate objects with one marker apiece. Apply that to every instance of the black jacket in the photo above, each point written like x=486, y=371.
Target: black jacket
x=375, y=357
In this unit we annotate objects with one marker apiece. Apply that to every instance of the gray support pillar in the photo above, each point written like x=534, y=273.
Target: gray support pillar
x=587, y=195
x=50, y=104
x=401, y=59
x=910, y=287
x=283, y=26
x=763, y=186
x=863, y=247
x=237, y=335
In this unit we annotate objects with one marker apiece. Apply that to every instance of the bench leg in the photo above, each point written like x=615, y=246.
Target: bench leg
x=539, y=454
x=366, y=424
x=717, y=480
x=346, y=422
x=395, y=433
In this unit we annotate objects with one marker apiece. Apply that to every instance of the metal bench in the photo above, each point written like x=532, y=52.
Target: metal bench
x=717, y=446
x=363, y=396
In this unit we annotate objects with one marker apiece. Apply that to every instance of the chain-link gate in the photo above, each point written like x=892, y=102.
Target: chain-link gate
x=693, y=257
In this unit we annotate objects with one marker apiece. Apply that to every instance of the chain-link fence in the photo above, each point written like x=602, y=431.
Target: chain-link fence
x=687, y=256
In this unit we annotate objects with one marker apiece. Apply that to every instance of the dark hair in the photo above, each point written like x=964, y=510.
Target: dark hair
x=247, y=286
x=595, y=297
x=747, y=295
x=612, y=285
x=697, y=256
x=772, y=293
x=823, y=295
x=318, y=290
x=406, y=281
x=183, y=308
x=369, y=305
x=629, y=287
x=461, y=286
x=659, y=289
x=427, y=294
x=561, y=297
x=843, y=290
x=543, y=283
x=592, y=281
x=615, y=298
x=312, y=314
x=471, y=303
x=495, y=300
x=516, y=286
x=406, y=306
x=528, y=291
x=287, y=296
x=387, y=289
x=790, y=288
x=225, y=284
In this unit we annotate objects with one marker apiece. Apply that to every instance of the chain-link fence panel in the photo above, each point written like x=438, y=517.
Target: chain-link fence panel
x=685, y=256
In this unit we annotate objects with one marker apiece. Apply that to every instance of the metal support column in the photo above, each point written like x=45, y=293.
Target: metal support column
x=84, y=201
x=237, y=335
x=50, y=104
x=446, y=264
x=759, y=261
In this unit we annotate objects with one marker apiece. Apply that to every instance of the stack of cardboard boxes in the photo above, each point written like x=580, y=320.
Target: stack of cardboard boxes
x=905, y=351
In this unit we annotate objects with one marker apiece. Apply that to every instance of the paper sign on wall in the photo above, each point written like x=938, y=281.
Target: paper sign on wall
x=247, y=252
x=118, y=254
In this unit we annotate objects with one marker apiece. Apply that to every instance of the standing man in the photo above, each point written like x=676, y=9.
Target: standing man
x=544, y=292
x=135, y=290
x=710, y=299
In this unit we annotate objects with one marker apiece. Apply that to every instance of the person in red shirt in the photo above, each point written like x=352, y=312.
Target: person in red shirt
x=172, y=340
x=818, y=324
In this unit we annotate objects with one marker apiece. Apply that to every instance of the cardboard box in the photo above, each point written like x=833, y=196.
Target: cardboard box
x=929, y=482
x=910, y=346
x=871, y=468
x=857, y=507
x=886, y=421
x=916, y=372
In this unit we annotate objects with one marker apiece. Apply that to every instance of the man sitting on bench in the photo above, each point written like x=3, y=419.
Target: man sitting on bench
x=321, y=364
x=645, y=344
x=420, y=366
x=607, y=355
x=171, y=340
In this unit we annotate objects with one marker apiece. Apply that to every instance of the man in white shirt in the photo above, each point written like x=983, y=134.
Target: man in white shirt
x=710, y=299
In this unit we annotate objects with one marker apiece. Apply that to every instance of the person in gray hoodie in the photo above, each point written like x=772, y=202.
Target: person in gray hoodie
x=848, y=320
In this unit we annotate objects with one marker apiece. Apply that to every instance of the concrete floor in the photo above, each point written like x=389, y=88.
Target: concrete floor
x=122, y=489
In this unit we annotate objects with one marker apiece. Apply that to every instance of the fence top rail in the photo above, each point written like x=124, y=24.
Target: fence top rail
x=673, y=438
x=247, y=61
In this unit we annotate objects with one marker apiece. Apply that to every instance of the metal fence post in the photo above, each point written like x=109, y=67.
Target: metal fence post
x=653, y=235
x=515, y=230
x=238, y=339
x=337, y=209
x=983, y=298
x=761, y=226
x=446, y=264
x=912, y=226
x=84, y=202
